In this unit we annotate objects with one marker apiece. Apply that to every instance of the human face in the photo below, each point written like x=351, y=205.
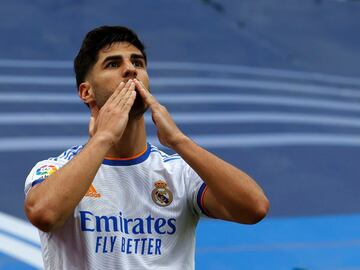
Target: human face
x=118, y=63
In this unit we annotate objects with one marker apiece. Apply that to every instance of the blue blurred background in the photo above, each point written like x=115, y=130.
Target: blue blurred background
x=271, y=86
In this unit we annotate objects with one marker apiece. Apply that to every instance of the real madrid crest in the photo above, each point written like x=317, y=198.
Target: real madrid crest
x=161, y=194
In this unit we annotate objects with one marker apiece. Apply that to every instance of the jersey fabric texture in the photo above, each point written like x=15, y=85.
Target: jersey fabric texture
x=139, y=213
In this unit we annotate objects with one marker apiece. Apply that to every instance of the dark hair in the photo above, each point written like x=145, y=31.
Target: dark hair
x=97, y=39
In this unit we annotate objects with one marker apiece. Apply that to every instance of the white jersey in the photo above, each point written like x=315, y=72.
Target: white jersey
x=139, y=213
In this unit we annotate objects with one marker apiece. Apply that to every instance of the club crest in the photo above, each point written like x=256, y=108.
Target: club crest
x=161, y=194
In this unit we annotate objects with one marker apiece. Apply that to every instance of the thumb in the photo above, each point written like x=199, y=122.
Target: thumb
x=94, y=114
x=92, y=126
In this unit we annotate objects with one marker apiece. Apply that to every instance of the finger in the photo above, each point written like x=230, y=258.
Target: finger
x=125, y=98
x=121, y=91
x=116, y=92
x=128, y=86
x=129, y=102
x=145, y=94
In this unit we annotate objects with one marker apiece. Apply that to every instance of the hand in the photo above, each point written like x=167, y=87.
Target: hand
x=168, y=133
x=111, y=120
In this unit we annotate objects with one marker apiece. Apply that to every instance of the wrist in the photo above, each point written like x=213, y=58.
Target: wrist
x=181, y=141
x=102, y=140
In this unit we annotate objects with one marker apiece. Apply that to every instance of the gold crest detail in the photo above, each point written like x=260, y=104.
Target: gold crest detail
x=161, y=194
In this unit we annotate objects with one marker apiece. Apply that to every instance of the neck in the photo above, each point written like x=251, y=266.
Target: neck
x=132, y=142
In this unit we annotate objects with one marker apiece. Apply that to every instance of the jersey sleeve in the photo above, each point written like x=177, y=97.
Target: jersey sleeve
x=40, y=172
x=196, y=191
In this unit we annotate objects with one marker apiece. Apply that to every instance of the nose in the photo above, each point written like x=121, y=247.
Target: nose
x=129, y=70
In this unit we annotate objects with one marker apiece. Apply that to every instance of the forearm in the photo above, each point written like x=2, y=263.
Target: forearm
x=51, y=202
x=235, y=190
x=233, y=195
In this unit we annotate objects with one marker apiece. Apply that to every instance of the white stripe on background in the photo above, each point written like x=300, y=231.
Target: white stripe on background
x=19, y=228
x=21, y=251
x=268, y=247
x=206, y=82
x=276, y=139
x=258, y=99
x=39, y=98
x=12, y=63
x=24, y=144
x=218, y=68
x=190, y=118
x=257, y=71
x=221, y=83
x=197, y=99
x=37, y=80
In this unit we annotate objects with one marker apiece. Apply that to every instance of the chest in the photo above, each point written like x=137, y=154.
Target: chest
x=136, y=192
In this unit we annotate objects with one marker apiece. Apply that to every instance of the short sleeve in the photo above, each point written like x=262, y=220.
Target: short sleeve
x=196, y=191
x=40, y=172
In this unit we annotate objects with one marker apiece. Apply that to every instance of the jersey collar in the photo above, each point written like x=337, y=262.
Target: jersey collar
x=129, y=161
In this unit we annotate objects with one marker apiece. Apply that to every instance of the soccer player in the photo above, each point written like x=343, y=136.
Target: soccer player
x=118, y=202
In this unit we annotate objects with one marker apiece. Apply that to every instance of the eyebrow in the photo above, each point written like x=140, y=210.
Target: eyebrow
x=120, y=58
x=137, y=56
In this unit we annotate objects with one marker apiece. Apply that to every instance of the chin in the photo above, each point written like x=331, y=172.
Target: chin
x=136, y=114
x=138, y=109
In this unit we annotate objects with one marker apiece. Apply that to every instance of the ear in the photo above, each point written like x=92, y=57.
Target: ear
x=86, y=93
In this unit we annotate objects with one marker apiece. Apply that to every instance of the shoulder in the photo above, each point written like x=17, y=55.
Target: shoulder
x=45, y=168
x=68, y=154
x=156, y=153
x=52, y=164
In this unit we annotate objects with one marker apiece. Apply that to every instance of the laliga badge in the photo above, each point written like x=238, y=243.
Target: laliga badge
x=161, y=194
x=45, y=171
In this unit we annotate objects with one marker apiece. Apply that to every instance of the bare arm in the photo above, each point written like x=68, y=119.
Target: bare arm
x=232, y=194
x=49, y=204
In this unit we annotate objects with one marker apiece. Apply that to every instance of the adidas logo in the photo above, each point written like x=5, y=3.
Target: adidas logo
x=92, y=192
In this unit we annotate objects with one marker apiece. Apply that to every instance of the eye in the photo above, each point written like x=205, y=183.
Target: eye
x=138, y=63
x=112, y=64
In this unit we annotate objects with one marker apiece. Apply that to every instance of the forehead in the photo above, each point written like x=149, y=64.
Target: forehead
x=118, y=48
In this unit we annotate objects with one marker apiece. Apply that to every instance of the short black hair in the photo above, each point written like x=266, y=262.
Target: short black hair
x=97, y=39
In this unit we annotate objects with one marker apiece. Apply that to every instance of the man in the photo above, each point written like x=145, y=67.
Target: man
x=119, y=202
